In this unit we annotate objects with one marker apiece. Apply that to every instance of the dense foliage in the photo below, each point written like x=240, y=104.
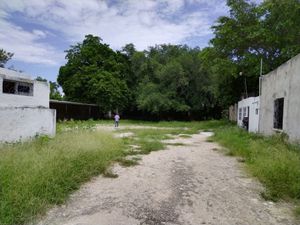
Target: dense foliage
x=269, y=31
x=95, y=73
x=176, y=79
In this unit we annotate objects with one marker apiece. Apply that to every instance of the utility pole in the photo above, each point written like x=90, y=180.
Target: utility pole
x=245, y=83
x=260, y=76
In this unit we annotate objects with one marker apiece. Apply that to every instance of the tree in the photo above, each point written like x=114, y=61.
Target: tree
x=170, y=80
x=268, y=31
x=94, y=73
x=4, y=57
x=54, y=92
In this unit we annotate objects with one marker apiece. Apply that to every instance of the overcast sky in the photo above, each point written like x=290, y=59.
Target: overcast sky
x=38, y=31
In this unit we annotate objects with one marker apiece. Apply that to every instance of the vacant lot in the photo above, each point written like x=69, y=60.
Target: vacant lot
x=190, y=182
x=37, y=175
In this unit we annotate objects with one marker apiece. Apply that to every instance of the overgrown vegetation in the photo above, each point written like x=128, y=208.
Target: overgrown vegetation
x=274, y=161
x=35, y=175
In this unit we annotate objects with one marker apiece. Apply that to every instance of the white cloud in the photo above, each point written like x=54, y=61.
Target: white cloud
x=26, y=46
x=142, y=22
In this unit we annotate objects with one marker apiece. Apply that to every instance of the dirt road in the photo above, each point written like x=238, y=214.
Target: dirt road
x=184, y=185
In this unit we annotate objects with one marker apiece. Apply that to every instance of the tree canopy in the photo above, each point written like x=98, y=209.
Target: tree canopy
x=269, y=31
x=95, y=73
x=166, y=79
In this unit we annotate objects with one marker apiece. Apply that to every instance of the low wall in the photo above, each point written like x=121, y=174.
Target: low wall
x=23, y=123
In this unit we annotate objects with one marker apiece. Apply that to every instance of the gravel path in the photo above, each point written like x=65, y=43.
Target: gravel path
x=183, y=185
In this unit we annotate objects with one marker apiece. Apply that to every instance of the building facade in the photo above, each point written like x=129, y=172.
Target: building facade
x=24, y=107
x=280, y=100
x=248, y=113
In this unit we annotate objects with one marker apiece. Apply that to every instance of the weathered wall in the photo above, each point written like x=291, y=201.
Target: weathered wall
x=253, y=104
x=22, y=123
x=232, y=111
x=23, y=116
x=284, y=82
x=40, y=96
x=12, y=73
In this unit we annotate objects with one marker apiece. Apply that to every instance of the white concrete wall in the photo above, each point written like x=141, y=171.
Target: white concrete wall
x=23, y=117
x=21, y=123
x=253, y=104
x=284, y=82
x=12, y=73
x=40, y=98
x=254, y=115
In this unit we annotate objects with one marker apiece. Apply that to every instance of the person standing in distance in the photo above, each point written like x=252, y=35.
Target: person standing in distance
x=117, y=118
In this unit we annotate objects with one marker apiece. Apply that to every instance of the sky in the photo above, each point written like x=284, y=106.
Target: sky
x=39, y=31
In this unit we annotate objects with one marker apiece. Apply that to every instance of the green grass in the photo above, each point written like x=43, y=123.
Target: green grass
x=185, y=136
x=274, y=161
x=35, y=175
x=177, y=144
x=192, y=126
x=150, y=140
x=127, y=162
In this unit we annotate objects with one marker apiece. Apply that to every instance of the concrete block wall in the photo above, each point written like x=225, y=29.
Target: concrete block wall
x=40, y=96
x=23, y=123
x=253, y=114
x=284, y=82
x=24, y=114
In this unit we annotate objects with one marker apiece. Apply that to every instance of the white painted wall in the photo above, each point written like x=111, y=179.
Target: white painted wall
x=23, y=117
x=19, y=124
x=284, y=82
x=40, y=96
x=253, y=114
x=12, y=73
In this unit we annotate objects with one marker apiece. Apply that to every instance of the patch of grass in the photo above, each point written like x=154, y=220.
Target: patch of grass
x=272, y=160
x=35, y=175
x=149, y=146
x=127, y=162
x=176, y=144
x=185, y=136
x=148, y=140
x=297, y=211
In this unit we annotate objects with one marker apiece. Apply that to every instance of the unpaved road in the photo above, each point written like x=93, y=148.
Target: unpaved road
x=183, y=185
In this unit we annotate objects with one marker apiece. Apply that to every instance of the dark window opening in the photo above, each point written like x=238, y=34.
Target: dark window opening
x=18, y=88
x=9, y=87
x=23, y=89
x=278, y=113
